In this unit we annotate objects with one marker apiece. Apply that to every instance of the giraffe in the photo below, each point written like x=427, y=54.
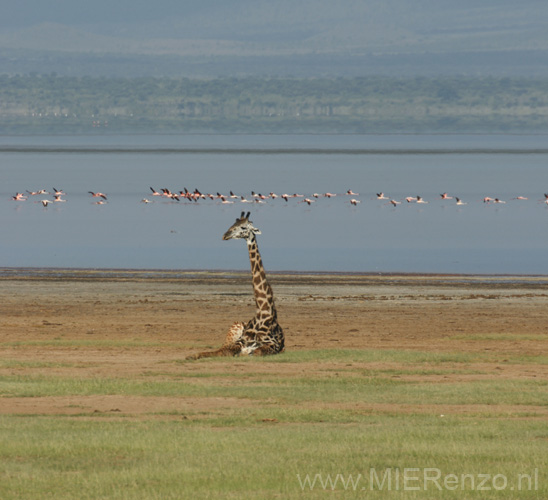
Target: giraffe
x=262, y=335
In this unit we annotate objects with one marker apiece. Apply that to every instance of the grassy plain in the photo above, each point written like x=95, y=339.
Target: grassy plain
x=391, y=387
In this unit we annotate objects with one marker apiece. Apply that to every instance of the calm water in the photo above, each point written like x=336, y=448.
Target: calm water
x=329, y=235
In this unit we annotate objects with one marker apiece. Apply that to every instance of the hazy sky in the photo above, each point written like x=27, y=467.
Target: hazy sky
x=29, y=12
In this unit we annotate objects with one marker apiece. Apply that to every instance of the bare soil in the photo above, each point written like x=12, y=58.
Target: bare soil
x=139, y=323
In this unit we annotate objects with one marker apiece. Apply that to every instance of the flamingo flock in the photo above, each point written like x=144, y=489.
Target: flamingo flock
x=196, y=196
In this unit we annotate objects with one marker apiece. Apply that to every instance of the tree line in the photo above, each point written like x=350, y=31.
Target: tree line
x=59, y=104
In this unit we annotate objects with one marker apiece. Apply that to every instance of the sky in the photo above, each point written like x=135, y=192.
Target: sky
x=26, y=13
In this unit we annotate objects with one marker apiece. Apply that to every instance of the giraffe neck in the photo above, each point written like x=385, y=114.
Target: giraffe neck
x=264, y=298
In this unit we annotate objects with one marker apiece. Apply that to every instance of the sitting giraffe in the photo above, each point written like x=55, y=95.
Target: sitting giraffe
x=262, y=335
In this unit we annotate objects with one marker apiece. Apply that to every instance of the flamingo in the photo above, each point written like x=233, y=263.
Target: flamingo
x=520, y=198
x=487, y=199
x=410, y=199
x=145, y=200
x=395, y=203
x=445, y=196
x=380, y=196
x=45, y=203
x=273, y=196
x=155, y=193
x=307, y=200
x=40, y=191
x=351, y=193
x=459, y=201
x=97, y=195
x=19, y=197
x=354, y=202
x=420, y=200
x=58, y=198
x=58, y=192
x=224, y=200
x=499, y=201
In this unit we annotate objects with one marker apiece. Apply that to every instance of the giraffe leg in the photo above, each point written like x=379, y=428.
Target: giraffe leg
x=266, y=350
x=225, y=351
x=234, y=333
x=228, y=348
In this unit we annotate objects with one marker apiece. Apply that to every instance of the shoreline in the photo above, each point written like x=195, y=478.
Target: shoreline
x=69, y=272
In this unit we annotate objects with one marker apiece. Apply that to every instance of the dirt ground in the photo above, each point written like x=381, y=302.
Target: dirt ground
x=138, y=322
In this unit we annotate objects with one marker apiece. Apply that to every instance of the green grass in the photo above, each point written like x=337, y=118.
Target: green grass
x=292, y=434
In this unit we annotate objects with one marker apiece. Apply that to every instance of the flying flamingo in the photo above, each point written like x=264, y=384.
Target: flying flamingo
x=445, y=196
x=420, y=200
x=98, y=195
x=354, y=202
x=380, y=196
x=395, y=203
x=19, y=197
x=351, y=193
x=460, y=202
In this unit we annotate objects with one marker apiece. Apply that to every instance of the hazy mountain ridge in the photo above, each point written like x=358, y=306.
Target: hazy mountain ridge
x=260, y=28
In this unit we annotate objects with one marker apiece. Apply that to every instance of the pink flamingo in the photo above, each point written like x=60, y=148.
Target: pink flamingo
x=97, y=195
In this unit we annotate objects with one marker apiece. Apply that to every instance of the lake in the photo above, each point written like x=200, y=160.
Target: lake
x=330, y=234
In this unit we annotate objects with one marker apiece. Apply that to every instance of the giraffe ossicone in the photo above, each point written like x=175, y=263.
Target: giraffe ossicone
x=262, y=335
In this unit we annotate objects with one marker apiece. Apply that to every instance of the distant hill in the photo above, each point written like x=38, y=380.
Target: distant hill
x=260, y=37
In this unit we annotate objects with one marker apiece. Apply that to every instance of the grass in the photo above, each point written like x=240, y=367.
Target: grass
x=362, y=416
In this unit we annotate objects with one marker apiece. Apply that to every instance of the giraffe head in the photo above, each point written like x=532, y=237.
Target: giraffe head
x=242, y=228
